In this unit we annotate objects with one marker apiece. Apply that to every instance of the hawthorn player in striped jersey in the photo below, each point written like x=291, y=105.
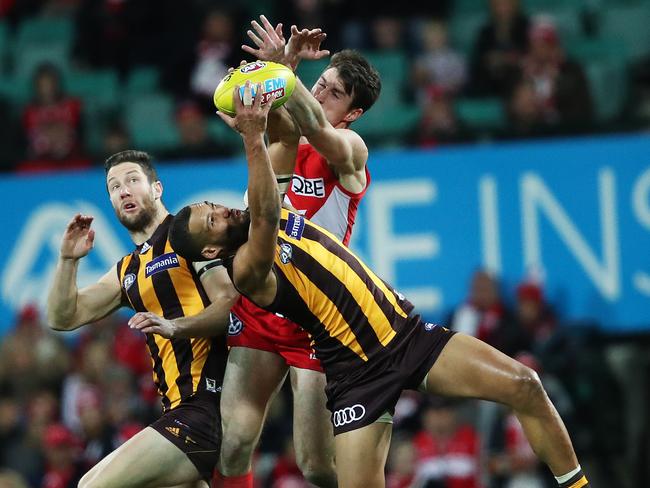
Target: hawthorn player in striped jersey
x=182, y=447
x=371, y=342
x=321, y=165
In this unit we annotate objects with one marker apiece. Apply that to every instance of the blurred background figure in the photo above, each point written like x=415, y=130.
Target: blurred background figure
x=401, y=465
x=438, y=65
x=560, y=85
x=500, y=46
x=62, y=466
x=486, y=316
x=448, y=449
x=52, y=124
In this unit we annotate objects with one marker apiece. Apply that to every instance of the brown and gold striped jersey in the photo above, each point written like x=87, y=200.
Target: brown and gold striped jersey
x=351, y=314
x=155, y=279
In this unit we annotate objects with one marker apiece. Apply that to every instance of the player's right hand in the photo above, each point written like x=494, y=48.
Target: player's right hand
x=251, y=116
x=78, y=237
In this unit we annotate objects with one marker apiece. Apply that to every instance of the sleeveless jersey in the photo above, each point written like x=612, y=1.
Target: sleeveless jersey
x=351, y=314
x=155, y=279
x=316, y=193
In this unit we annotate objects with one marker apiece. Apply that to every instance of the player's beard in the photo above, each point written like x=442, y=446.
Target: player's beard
x=140, y=221
x=236, y=235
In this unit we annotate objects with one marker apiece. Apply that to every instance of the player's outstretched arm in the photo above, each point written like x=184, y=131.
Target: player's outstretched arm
x=252, y=265
x=211, y=321
x=67, y=307
x=344, y=149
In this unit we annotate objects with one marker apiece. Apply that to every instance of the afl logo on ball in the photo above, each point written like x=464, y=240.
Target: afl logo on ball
x=348, y=415
x=252, y=67
x=286, y=251
x=236, y=326
x=128, y=281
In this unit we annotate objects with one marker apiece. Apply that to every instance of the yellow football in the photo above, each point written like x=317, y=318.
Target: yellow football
x=277, y=82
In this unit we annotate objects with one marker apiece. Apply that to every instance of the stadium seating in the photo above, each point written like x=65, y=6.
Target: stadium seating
x=630, y=24
x=150, y=120
x=485, y=115
x=142, y=79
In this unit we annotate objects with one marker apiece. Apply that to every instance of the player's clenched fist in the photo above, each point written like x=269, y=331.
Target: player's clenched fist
x=78, y=237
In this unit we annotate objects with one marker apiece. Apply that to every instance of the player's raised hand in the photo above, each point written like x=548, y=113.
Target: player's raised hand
x=269, y=40
x=78, y=237
x=150, y=323
x=251, y=113
x=305, y=44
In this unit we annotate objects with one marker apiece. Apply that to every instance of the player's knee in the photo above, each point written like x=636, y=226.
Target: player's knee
x=318, y=471
x=526, y=389
x=237, y=446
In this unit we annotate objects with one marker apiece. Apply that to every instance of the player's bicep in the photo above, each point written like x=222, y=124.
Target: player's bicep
x=338, y=146
x=99, y=299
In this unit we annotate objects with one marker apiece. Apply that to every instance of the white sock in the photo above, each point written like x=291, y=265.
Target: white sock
x=566, y=477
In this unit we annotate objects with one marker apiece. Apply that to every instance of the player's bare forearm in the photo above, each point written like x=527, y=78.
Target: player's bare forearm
x=62, y=298
x=263, y=195
x=211, y=321
x=305, y=110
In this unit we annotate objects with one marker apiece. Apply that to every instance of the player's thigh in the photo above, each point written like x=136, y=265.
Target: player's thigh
x=468, y=367
x=361, y=456
x=252, y=379
x=145, y=460
x=312, y=427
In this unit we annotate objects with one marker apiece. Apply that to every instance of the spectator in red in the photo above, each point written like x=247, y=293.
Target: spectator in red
x=286, y=473
x=533, y=315
x=52, y=124
x=499, y=48
x=560, y=84
x=61, y=449
x=448, y=450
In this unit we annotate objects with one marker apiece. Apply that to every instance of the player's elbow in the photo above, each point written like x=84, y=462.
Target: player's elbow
x=58, y=321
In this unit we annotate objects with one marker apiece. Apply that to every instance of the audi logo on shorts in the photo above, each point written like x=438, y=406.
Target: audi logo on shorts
x=348, y=415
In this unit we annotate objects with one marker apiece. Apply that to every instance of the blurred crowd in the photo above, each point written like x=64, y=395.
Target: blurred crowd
x=156, y=64
x=67, y=400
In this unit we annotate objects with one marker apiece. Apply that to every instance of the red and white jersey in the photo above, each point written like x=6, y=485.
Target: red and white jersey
x=316, y=193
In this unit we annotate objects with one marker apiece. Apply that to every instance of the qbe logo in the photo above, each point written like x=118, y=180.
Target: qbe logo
x=347, y=415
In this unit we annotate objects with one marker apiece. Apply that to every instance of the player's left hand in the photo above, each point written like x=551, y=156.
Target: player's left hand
x=269, y=40
x=150, y=323
x=305, y=44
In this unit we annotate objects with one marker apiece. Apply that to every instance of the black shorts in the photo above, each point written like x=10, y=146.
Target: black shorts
x=360, y=398
x=194, y=426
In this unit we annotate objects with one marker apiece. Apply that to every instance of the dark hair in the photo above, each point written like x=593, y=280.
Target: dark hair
x=360, y=78
x=180, y=238
x=140, y=158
